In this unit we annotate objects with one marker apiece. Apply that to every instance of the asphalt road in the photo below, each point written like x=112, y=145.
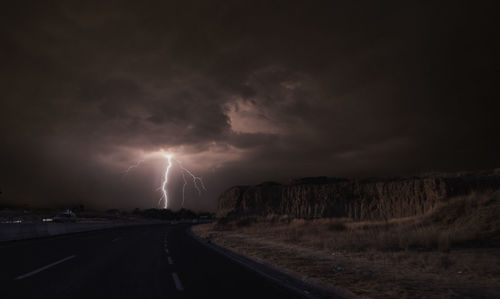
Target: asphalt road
x=157, y=261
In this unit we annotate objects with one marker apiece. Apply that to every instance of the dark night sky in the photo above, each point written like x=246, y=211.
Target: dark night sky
x=240, y=92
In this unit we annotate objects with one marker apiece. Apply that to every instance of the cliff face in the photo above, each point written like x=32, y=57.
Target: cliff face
x=356, y=199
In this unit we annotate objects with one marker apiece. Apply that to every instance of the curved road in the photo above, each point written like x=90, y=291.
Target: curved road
x=156, y=261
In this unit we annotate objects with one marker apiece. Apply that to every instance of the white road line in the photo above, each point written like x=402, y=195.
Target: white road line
x=166, y=250
x=170, y=261
x=177, y=281
x=44, y=268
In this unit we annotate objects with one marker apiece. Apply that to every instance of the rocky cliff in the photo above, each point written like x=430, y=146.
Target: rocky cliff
x=359, y=199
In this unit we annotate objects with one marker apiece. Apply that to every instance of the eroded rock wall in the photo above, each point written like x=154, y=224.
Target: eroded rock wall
x=356, y=199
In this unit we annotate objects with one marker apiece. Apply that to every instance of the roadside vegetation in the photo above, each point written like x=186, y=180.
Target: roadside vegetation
x=10, y=214
x=452, y=250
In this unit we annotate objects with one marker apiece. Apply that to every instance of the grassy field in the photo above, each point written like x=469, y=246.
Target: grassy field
x=452, y=251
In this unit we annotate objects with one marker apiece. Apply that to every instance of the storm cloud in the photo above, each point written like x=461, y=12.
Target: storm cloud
x=240, y=92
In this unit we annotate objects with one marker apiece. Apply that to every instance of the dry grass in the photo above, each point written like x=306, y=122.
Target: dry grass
x=452, y=250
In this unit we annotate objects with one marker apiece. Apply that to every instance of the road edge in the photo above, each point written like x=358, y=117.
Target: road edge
x=287, y=279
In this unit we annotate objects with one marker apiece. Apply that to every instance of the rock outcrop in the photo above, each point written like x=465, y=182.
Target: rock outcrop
x=366, y=199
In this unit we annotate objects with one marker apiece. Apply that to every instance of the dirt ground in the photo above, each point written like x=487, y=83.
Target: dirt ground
x=374, y=273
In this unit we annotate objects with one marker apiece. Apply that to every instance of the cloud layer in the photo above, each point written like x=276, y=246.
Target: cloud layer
x=240, y=93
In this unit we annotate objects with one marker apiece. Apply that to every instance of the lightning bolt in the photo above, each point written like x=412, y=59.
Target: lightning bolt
x=164, y=184
x=183, y=188
x=133, y=166
x=197, y=181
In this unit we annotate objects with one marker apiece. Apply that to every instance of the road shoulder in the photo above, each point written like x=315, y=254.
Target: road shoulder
x=308, y=288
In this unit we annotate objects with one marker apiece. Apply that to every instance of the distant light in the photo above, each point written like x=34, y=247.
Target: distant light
x=12, y=221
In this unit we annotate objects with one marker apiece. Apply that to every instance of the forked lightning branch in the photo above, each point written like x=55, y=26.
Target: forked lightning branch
x=197, y=181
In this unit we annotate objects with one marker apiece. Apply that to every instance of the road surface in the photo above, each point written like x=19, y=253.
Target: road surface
x=157, y=261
